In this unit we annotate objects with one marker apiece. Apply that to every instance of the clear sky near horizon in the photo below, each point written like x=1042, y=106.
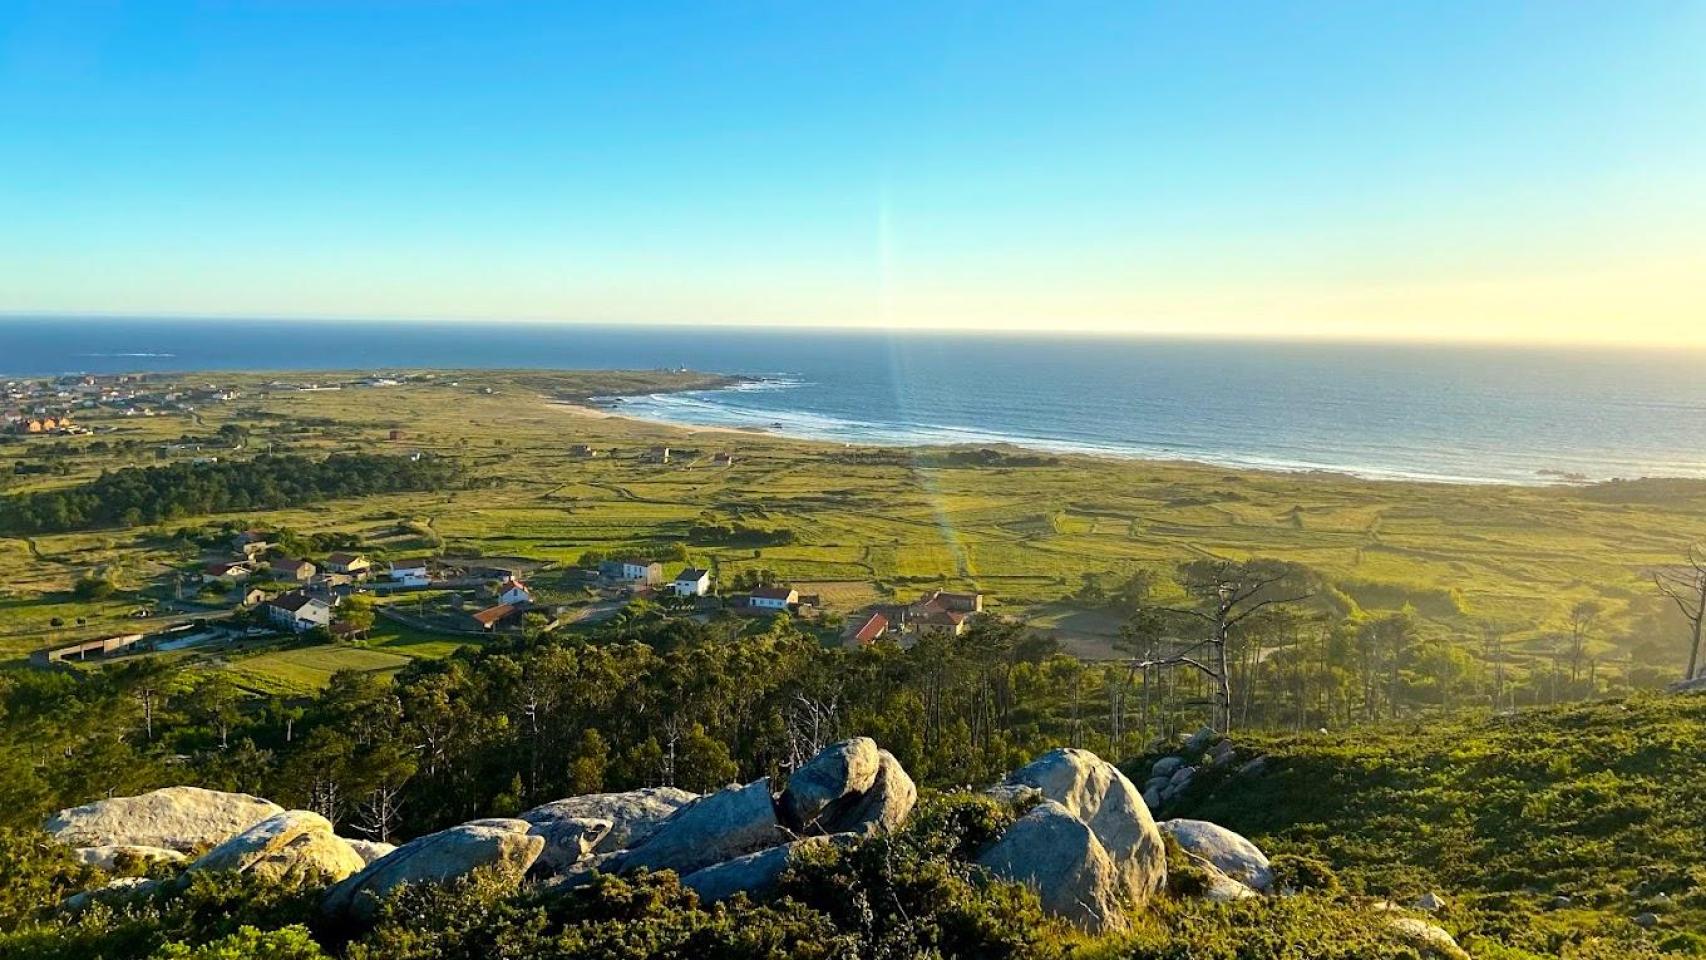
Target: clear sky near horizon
x=1446, y=170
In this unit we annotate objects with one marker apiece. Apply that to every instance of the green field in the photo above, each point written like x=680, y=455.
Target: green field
x=870, y=523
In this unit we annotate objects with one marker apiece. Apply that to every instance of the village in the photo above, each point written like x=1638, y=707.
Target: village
x=253, y=591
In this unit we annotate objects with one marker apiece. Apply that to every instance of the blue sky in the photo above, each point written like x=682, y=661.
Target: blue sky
x=1514, y=171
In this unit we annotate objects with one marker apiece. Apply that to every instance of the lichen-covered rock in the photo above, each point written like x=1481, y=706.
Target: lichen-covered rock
x=369, y=850
x=732, y=822
x=633, y=814
x=1220, y=888
x=848, y=768
x=1097, y=793
x=1430, y=941
x=755, y=874
x=881, y=809
x=504, y=845
x=567, y=842
x=117, y=890
x=108, y=857
x=1230, y=853
x=292, y=845
x=173, y=818
x=1056, y=854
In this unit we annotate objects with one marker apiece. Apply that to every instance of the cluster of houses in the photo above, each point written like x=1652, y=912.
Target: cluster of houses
x=18, y=421
x=513, y=599
x=45, y=406
x=938, y=613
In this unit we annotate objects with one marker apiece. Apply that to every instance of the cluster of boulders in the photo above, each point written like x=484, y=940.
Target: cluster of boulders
x=1085, y=840
x=1088, y=847
x=239, y=834
x=738, y=839
x=1172, y=775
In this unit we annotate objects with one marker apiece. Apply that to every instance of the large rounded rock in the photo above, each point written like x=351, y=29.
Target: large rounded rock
x=442, y=857
x=1097, y=793
x=1229, y=852
x=292, y=845
x=848, y=768
x=755, y=874
x=1057, y=855
x=175, y=818
x=109, y=857
x=567, y=842
x=882, y=808
x=369, y=850
x=633, y=814
x=730, y=823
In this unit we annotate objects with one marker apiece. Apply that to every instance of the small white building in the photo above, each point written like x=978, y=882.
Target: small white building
x=353, y=564
x=513, y=592
x=410, y=573
x=226, y=572
x=631, y=570
x=290, y=568
x=692, y=582
x=298, y=612
x=773, y=598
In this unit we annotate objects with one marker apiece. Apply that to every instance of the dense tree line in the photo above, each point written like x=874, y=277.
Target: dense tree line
x=138, y=495
x=651, y=698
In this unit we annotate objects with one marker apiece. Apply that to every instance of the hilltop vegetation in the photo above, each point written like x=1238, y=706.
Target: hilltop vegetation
x=1597, y=803
x=1544, y=828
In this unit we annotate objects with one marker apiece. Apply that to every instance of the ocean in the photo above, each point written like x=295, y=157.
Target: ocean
x=1470, y=414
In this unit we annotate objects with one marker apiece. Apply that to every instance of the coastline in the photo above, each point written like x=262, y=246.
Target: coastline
x=611, y=409
x=614, y=406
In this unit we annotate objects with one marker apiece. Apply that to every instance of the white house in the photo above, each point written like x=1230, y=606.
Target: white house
x=288, y=568
x=228, y=572
x=410, y=573
x=353, y=564
x=773, y=598
x=631, y=571
x=298, y=611
x=514, y=592
x=692, y=582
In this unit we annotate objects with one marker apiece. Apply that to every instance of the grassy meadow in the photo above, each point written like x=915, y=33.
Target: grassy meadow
x=867, y=523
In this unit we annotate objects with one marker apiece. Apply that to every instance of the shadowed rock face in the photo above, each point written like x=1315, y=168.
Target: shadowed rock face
x=172, y=818
x=1097, y=793
x=882, y=808
x=755, y=874
x=437, y=858
x=290, y=845
x=730, y=823
x=840, y=770
x=1228, y=852
x=1056, y=854
x=633, y=814
x=567, y=842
